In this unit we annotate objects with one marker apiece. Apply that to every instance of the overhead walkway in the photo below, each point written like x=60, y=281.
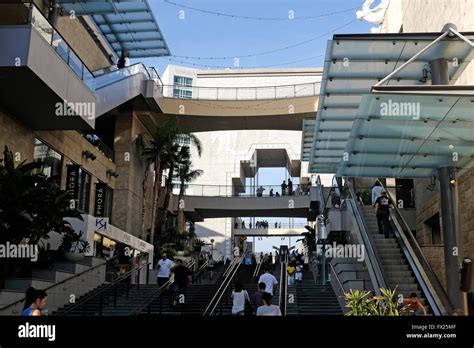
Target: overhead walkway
x=282, y=107
x=215, y=201
x=37, y=62
x=395, y=263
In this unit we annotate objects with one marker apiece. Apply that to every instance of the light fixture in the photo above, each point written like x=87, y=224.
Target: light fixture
x=88, y=154
x=110, y=172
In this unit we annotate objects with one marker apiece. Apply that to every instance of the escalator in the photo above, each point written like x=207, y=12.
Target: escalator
x=396, y=262
x=114, y=88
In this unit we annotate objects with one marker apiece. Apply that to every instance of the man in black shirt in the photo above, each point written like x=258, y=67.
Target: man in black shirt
x=182, y=278
x=382, y=211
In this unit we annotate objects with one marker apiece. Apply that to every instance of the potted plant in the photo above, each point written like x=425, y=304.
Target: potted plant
x=73, y=247
x=360, y=303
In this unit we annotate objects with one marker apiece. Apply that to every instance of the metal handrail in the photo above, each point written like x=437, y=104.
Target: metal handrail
x=435, y=294
x=225, y=276
x=57, y=284
x=159, y=291
x=88, y=297
x=229, y=282
x=373, y=262
x=223, y=287
x=337, y=278
x=283, y=286
x=259, y=266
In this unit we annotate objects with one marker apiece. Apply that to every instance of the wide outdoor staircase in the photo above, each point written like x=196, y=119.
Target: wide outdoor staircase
x=395, y=265
x=314, y=299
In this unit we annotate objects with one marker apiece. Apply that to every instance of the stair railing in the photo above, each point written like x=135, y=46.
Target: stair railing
x=283, y=286
x=85, y=300
x=159, y=293
x=216, y=299
x=57, y=284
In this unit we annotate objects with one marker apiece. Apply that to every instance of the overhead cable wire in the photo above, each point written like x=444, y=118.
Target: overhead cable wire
x=288, y=18
x=274, y=50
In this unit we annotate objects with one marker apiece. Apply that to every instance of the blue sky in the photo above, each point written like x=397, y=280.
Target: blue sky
x=208, y=35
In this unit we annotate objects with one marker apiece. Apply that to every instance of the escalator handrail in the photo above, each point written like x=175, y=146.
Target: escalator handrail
x=373, y=262
x=141, y=68
x=429, y=282
x=320, y=188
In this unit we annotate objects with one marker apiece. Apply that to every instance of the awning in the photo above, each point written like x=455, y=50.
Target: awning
x=401, y=135
x=355, y=63
x=128, y=26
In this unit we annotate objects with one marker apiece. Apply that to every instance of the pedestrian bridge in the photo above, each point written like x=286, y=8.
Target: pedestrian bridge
x=280, y=107
x=221, y=202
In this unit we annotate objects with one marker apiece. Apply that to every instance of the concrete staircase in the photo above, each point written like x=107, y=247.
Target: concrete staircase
x=313, y=299
x=73, y=278
x=394, y=263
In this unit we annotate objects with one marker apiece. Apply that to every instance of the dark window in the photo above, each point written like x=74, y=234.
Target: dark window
x=435, y=229
x=52, y=160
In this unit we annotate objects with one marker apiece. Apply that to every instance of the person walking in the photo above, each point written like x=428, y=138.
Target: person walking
x=290, y=187
x=257, y=297
x=268, y=309
x=35, y=301
x=283, y=188
x=376, y=192
x=269, y=280
x=382, y=212
x=182, y=278
x=164, y=267
x=291, y=270
x=239, y=296
x=299, y=273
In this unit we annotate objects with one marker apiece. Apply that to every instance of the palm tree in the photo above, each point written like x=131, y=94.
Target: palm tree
x=153, y=147
x=176, y=159
x=158, y=150
x=185, y=175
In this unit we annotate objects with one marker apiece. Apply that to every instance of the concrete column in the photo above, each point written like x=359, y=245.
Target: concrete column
x=440, y=76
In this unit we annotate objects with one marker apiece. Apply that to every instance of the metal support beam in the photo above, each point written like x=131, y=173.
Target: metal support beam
x=450, y=240
x=449, y=221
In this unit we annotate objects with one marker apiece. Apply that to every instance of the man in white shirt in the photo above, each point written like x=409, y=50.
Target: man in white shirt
x=269, y=280
x=164, y=267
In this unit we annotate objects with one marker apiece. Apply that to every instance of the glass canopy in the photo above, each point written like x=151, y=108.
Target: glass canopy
x=128, y=26
x=401, y=135
x=355, y=63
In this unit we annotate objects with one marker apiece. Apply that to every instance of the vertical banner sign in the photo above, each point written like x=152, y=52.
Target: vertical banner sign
x=100, y=199
x=72, y=181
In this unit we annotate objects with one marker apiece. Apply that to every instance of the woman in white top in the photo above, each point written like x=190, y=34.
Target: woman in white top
x=268, y=309
x=239, y=296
